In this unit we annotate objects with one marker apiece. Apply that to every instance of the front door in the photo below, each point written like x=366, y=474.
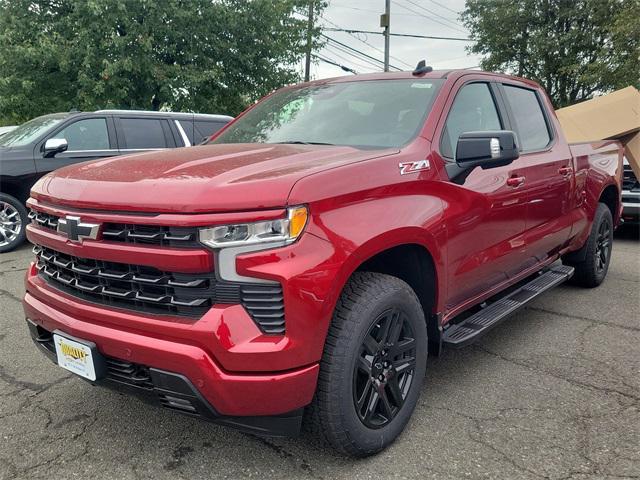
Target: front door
x=487, y=211
x=88, y=139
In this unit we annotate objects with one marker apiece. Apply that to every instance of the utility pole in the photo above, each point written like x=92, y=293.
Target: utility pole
x=307, y=62
x=385, y=21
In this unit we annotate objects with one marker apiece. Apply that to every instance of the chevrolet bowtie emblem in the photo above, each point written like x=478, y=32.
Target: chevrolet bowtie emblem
x=76, y=230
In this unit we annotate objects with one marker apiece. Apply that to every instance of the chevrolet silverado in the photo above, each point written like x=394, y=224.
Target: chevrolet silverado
x=300, y=268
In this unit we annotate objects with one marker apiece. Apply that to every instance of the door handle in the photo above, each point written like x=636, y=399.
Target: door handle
x=565, y=171
x=515, y=181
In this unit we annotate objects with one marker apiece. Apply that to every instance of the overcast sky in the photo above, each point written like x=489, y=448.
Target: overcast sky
x=422, y=17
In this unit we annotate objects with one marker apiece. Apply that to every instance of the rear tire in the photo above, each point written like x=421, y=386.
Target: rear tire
x=373, y=365
x=592, y=271
x=13, y=222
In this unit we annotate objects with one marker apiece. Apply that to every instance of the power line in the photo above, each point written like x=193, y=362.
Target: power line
x=444, y=6
x=331, y=62
x=369, y=62
x=433, y=13
x=335, y=53
x=370, y=32
x=334, y=5
x=365, y=42
x=429, y=18
x=356, y=51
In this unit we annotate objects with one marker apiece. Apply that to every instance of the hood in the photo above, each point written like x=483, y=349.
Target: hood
x=203, y=179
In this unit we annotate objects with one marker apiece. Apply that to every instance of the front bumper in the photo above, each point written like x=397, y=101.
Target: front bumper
x=172, y=391
x=174, y=353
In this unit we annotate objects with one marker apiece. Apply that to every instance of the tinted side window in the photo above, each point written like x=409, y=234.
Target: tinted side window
x=143, y=133
x=205, y=129
x=88, y=134
x=473, y=110
x=529, y=118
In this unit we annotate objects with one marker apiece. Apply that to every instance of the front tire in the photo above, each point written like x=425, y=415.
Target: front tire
x=13, y=222
x=592, y=270
x=373, y=365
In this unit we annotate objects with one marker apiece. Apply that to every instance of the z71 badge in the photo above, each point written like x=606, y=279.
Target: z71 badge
x=413, y=167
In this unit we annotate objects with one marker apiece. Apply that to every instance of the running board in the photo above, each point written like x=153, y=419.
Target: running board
x=472, y=328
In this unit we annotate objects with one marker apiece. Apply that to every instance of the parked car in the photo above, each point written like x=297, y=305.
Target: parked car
x=630, y=196
x=53, y=141
x=7, y=129
x=317, y=249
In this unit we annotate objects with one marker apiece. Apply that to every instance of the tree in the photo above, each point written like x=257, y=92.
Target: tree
x=214, y=56
x=573, y=48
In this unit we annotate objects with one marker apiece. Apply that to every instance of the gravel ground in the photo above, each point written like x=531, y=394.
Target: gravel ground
x=552, y=393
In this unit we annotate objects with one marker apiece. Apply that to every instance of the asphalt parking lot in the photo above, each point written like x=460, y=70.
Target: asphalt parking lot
x=552, y=393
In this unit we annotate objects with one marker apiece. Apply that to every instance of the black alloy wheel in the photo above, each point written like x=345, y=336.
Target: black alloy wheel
x=384, y=370
x=603, y=246
x=592, y=261
x=372, y=367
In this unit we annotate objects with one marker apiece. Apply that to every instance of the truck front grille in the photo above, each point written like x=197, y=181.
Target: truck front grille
x=149, y=290
x=131, y=233
x=629, y=180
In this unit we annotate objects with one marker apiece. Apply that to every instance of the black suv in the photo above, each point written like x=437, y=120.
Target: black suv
x=52, y=141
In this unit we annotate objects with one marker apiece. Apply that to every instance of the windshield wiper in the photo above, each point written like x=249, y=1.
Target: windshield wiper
x=300, y=142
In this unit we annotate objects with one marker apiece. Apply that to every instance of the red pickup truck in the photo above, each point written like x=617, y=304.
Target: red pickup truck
x=304, y=263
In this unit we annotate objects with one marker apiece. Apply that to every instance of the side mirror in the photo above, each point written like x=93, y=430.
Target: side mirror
x=489, y=149
x=54, y=146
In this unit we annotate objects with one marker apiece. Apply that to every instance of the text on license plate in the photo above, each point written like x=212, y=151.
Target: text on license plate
x=75, y=357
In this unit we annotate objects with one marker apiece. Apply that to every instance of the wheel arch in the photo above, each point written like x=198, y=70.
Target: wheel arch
x=610, y=196
x=11, y=187
x=413, y=264
x=416, y=260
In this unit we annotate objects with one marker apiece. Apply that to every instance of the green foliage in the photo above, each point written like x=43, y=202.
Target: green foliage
x=214, y=56
x=573, y=48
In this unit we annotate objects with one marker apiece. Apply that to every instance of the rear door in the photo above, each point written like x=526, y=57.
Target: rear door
x=548, y=172
x=487, y=210
x=203, y=129
x=140, y=133
x=89, y=138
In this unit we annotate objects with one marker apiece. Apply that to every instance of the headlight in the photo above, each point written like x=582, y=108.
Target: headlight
x=285, y=230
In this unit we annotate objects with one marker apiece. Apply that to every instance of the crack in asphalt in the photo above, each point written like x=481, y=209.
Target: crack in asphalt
x=9, y=260
x=10, y=295
x=478, y=437
x=19, y=472
x=584, y=319
x=285, y=454
x=25, y=472
x=14, y=270
x=36, y=388
x=593, y=467
x=572, y=381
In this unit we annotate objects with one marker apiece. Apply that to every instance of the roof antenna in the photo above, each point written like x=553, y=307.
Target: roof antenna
x=422, y=68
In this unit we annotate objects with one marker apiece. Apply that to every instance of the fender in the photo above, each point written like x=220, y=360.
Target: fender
x=594, y=174
x=423, y=227
x=314, y=270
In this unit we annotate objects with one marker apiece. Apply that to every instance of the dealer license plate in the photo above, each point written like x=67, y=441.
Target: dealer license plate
x=75, y=357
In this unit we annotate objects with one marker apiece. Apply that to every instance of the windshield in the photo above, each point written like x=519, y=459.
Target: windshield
x=375, y=114
x=30, y=131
